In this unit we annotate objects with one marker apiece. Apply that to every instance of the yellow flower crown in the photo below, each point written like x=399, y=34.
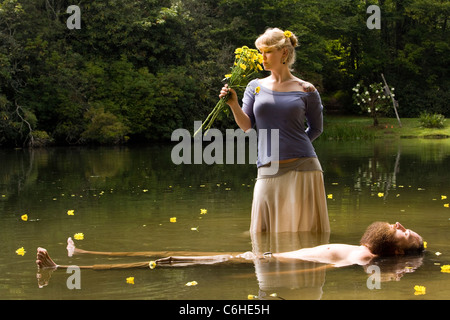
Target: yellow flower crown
x=287, y=34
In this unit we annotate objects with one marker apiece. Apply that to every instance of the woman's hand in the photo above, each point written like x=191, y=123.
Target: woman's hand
x=232, y=98
x=241, y=118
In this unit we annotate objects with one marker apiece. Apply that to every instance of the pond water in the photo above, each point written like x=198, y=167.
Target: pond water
x=123, y=199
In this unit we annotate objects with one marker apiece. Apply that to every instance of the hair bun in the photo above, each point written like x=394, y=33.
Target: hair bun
x=294, y=40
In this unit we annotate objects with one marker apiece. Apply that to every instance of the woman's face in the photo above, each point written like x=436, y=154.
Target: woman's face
x=406, y=238
x=272, y=57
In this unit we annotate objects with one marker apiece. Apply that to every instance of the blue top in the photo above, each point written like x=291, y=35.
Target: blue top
x=288, y=112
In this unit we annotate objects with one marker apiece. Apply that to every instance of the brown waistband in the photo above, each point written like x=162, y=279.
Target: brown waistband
x=302, y=164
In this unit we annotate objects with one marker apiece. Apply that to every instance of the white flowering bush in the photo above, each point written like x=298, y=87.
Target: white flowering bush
x=372, y=100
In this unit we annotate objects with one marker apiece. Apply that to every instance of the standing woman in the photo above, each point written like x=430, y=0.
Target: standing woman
x=294, y=198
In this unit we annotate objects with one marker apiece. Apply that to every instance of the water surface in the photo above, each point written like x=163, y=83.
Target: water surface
x=123, y=199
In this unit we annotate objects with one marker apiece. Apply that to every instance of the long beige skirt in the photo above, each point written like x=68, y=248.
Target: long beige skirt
x=292, y=202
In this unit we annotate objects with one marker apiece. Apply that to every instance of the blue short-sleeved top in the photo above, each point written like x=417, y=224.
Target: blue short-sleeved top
x=288, y=112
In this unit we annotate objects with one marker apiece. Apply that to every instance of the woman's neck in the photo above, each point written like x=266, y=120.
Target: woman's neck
x=282, y=75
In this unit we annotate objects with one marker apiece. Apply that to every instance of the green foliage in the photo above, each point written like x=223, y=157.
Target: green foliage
x=104, y=128
x=145, y=68
x=432, y=120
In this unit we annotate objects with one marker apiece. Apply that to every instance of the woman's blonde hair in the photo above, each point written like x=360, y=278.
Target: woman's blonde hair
x=278, y=39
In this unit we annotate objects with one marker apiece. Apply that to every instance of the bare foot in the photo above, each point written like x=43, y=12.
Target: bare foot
x=43, y=260
x=70, y=247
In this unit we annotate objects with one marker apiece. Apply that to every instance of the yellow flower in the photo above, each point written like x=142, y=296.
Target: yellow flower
x=21, y=251
x=228, y=76
x=130, y=280
x=78, y=236
x=173, y=219
x=191, y=283
x=425, y=244
x=380, y=194
x=243, y=66
x=24, y=217
x=419, y=290
x=152, y=264
x=238, y=51
x=257, y=89
x=287, y=34
x=203, y=211
x=445, y=268
x=260, y=58
x=70, y=212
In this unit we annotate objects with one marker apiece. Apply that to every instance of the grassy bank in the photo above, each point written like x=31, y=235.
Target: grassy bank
x=358, y=127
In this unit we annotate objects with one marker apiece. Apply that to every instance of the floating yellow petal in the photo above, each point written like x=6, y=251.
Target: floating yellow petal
x=152, y=264
x=21, y=251
x=24, y=217
x=447, y=205
x=445, y=268
x=330, y=196
x=443, y=197
x=78, y=236
x=173, y=219
x=70, y=212
x=203, y=211
x=425, y=244
x=419, y=290
x=252, y=297
x=191, y=283
x=130, y=280
x=380, y=194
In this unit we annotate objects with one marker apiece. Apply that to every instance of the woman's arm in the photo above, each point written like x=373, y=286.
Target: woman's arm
x=314, y=115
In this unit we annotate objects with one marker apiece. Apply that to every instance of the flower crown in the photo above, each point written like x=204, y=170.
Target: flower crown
x=287, y=34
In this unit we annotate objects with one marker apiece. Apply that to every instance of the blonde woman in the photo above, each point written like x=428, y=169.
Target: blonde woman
x=294, y=198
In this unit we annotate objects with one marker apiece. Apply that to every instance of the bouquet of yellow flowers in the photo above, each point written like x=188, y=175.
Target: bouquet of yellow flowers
x=247, y=63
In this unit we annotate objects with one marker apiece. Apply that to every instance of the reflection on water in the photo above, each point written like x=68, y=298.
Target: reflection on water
x=290, y=280
x=123, y=199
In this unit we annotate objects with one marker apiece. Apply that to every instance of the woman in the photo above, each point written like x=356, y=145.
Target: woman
x=293, y=199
